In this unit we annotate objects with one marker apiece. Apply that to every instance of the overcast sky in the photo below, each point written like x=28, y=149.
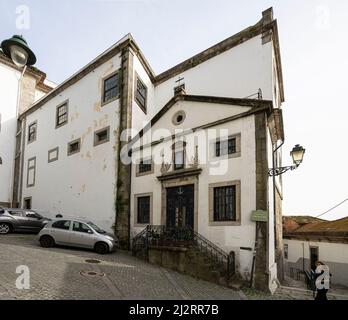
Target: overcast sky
x=66, y=35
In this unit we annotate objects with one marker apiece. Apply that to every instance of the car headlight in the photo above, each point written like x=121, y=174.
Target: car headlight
x=109, y=238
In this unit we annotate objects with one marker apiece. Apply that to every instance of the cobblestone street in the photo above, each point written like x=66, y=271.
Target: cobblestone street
x=55, y=273
x=61, y=273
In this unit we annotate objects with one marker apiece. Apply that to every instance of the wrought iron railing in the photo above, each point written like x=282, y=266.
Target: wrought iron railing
x=183, y=236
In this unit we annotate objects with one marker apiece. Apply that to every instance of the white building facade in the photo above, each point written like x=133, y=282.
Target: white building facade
x=17, y=94
x=73, y=145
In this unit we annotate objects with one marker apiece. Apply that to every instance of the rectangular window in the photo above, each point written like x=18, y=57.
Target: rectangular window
x=110, y=88
x=179, y=159
x=53, y=154
x=225, y=203
x=31, y=171
x=140, y=94
x=286, y=251
x=143, y=210
x=74, y=146
x=62, y=115
x=101, y=136
x=32, y=132
x=225, y=147
x=145, y=165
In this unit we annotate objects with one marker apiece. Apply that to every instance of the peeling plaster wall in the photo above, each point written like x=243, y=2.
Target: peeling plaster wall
x=237, y=73
x=82, y=184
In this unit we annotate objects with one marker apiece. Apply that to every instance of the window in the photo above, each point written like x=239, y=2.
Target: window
x=32, y=214
x=224, y=203
x=143, y=211
x=27, y=203
x=110, y=88
x=61, y=224
x=225, y=147
x=178, y=117
x=81, y=227
x=31, y=172
x=16, y=213
x=32, y=132
x=62, y=115
x=140, y=93
x=179, y=155
x=53, y=154
x=74, y=146
x=101, y=136
x=286, y=251
x=144, y=167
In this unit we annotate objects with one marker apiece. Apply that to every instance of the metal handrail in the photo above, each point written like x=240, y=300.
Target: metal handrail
x=161, y=235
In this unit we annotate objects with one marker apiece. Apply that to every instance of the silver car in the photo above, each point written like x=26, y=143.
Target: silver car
x=21, y=220
x=77, y=233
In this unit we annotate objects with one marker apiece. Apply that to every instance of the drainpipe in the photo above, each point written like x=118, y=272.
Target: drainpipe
x=129, y=201
x=274, y=202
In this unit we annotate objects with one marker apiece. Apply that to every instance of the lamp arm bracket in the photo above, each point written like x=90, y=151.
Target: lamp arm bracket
x=280, y=170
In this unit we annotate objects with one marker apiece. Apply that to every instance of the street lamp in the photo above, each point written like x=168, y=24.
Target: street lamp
x=297, y=154
x=17, y=49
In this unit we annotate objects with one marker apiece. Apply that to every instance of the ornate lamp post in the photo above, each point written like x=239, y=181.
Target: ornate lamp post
x=297, y=154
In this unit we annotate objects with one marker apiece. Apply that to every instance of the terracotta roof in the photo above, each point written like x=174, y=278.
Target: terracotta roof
x=316, y=229
x=334, y=226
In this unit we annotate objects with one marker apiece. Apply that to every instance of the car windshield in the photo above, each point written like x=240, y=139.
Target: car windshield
x=95, y=227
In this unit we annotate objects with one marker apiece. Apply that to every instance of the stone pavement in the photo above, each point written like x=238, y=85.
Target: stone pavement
x=62, y=273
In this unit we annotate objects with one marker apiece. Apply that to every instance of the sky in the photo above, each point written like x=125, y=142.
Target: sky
x=67, y=34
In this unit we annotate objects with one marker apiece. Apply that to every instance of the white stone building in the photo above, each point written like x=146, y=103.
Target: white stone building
x=72, y=144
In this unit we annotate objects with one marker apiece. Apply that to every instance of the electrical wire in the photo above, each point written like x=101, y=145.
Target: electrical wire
x=337, y=205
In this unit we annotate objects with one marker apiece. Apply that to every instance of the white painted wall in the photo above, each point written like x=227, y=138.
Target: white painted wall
x=8, y=94
x=335, y=255
x=237, y=73
x=82, y=184
x=242, y=168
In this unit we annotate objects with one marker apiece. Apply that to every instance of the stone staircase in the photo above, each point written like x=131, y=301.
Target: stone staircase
x=187, y=252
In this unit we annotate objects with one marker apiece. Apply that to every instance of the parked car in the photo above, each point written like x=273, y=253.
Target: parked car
x=77, y=233
x=21, y=220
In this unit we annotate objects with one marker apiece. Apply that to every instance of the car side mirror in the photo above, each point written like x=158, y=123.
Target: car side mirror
x=90, y=231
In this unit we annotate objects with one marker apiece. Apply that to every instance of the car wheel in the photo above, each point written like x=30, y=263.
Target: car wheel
x=46, y=241
x=101, y=248
x=5, y=228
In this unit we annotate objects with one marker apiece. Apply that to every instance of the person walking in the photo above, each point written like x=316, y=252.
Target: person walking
x=322, y=280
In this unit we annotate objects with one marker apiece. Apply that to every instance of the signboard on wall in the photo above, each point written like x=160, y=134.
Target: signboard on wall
x=259, y=216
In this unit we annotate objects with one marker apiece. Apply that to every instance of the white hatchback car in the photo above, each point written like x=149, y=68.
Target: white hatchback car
x=77, y=233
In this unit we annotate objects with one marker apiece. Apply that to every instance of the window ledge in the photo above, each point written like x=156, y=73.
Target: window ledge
x=225, y=223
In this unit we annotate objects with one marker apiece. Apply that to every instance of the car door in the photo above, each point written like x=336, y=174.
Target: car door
x=61, y=232
x=18, y=220
x=82, y=235
x=33, y=221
